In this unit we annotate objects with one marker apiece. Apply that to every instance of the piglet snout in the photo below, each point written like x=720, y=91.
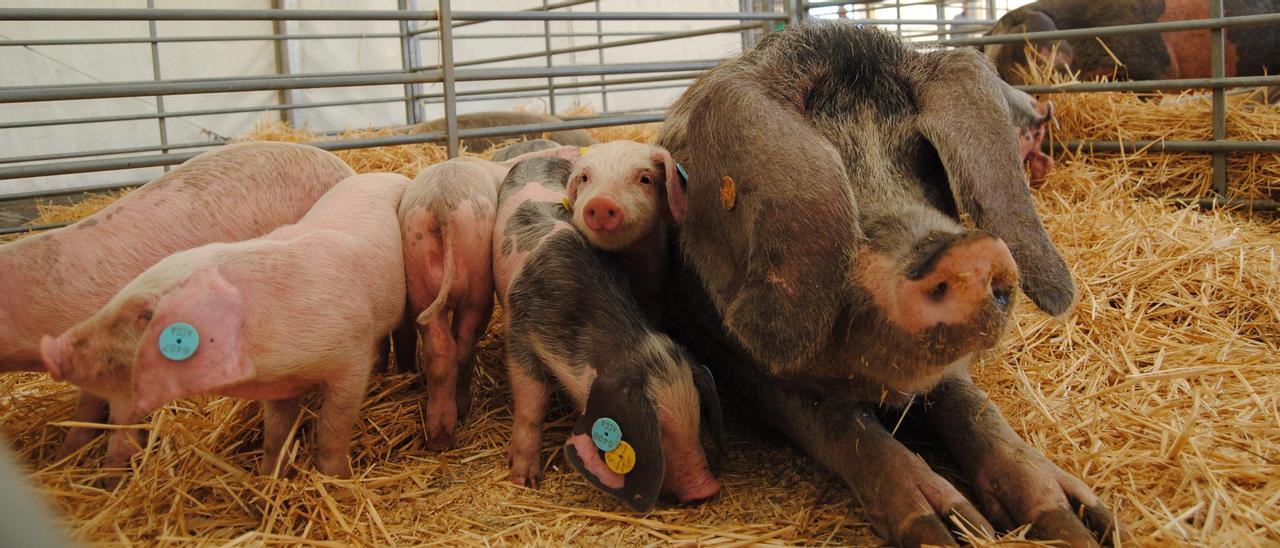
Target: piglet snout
x=602, y=214
x=698, y=488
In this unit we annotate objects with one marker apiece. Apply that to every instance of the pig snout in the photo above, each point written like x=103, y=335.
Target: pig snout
x=695, y=487
x=958, y=281
x=603, y=214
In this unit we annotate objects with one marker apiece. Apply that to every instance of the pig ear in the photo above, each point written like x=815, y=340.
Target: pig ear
x=571, y=186
x=964, y=115
x=215, y=309
x=625, y=402
x=55, y=353
x=674, y=184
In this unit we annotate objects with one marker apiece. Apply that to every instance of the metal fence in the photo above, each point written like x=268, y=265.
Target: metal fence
x=437, y=27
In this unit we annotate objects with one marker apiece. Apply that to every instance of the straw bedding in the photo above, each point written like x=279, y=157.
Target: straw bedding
x=1162, y=391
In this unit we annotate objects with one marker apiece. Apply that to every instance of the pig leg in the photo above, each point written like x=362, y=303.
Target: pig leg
x=278, y=417
x=903, y=498
x=1013, y=481
x=442, y=380
x=89, y=408
x=530, y=394
x=122, y=444
x=469, y=326
x=342, y=400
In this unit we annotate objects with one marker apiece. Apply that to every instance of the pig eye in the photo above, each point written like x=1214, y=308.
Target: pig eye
x=644, y=179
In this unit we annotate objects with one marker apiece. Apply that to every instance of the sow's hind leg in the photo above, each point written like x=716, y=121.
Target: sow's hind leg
x=469, y=325
x=440, y=361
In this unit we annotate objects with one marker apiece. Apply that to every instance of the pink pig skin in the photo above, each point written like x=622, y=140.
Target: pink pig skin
x=51, y=281
x=304, y=307
x=446, y=221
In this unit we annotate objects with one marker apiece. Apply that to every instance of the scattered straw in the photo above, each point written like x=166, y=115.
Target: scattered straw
x=1161, y=391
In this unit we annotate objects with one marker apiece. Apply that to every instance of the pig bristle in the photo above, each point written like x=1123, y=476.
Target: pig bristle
x=1160, y=392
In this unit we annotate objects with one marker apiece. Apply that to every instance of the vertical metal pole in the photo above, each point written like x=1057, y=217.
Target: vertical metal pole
x=748, y=36
x=599, y=39
x=1217, y=57
x=991, y=10
x=942, y=16
x=897, y=6
x=281, y=47
x=161, y=119
x=546, y=37
x=408, y=60
x=450, y=93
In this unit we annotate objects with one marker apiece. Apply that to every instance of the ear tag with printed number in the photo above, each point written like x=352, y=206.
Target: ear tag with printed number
x=622, y=459
x=606, y=434
x=179, y=341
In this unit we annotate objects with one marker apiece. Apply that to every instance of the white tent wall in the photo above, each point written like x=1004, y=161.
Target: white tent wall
x=79, y=64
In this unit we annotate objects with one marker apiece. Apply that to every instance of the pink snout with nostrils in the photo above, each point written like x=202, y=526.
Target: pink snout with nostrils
x=603, y=214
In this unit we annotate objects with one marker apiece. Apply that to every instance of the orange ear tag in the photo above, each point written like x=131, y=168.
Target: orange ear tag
x=728, y=192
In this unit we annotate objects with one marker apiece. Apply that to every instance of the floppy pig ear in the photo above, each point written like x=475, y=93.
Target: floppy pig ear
x=676, y=200
x=619, y=408
x=964, y=115
x=166, y=369
x=771, y=222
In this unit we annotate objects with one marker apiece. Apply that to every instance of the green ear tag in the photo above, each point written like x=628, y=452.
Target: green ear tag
x=179, y=341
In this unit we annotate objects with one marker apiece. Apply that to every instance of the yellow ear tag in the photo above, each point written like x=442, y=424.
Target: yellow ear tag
x=583, y=151
x=565, y=202
x=622, y=459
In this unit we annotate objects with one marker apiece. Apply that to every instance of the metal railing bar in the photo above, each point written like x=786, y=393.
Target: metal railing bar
x=1217, y=59
x=1154, y=85
x=171, y=39
x=285, y=37
x=456, y=25
x=109, y=14
x=1167, y=26
x=107, y=152
x=112, y=164
x=543, y=93
x=615, y=16
x=20, y=229
x=570, y=85
x=1231, y=203
x=1165, y=146
x=53, y=192
x=597, y=46
x=186, y=113
x=22, y=94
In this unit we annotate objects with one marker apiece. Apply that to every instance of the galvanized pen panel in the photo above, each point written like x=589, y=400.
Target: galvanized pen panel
x=193, y=77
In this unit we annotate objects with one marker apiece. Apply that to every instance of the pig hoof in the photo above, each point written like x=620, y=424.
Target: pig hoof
x=526, y=473
x=1056, y=504
x=440, y=442
x=338, y=468
x=924, y=530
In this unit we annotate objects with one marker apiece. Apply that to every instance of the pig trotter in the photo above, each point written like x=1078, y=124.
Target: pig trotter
x=89, y=408
x=278, y=417
x=1014, y=482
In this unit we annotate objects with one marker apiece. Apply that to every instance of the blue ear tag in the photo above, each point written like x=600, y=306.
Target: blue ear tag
x=709, y=375
x=606, y=434
x=684, y=175
x=179, y=341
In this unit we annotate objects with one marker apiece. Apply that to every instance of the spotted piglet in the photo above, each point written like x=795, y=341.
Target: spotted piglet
x=571, y=318
x=618, y=194
x=304, y=307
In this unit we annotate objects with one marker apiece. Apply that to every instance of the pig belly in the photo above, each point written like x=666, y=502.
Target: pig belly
x=270, y=390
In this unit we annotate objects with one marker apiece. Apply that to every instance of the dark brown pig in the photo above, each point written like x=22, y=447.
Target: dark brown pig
x=302, y=308
x=574, y=137
x=53, y=280
x=1250, y=51
x=523, y=147
x=826, y=274
x=570, y=318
